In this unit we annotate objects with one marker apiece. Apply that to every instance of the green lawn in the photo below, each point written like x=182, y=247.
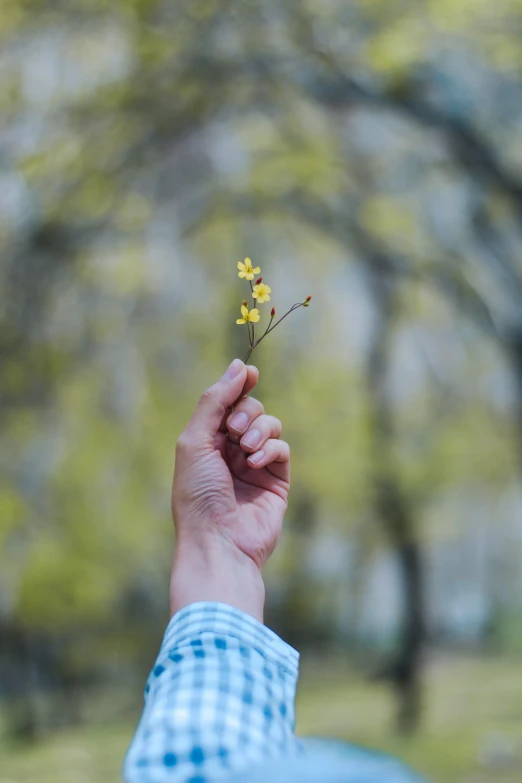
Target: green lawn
x=472, y=731
x=473, y=709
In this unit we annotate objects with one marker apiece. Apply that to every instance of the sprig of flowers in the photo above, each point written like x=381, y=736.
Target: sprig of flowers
x=260, y=292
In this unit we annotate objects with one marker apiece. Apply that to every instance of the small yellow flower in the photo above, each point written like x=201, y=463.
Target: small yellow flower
x=246, y=270
x=248, y=315
x=262, y=292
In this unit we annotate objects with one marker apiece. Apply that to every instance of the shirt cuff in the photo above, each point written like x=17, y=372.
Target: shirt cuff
x=220, y=699
x=221, y=619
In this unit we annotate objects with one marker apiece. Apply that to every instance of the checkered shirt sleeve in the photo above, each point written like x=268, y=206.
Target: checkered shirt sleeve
x=219, y=699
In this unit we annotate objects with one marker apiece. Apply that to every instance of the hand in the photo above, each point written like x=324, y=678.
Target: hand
x=229, y=495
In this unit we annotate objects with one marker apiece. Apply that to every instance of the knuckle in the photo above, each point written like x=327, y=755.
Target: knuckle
x=182, y=443
x=207, y=396
x=255, y=406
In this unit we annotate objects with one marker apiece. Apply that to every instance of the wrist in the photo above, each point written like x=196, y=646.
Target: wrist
x=213, y=569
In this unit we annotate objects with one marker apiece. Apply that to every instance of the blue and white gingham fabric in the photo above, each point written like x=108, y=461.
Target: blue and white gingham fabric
x=220, y=699
x=219, y=705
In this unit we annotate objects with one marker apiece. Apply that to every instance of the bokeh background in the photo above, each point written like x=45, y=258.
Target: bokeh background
x=368, y=153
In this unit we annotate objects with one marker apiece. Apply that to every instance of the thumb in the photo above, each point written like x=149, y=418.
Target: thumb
x=207, y=418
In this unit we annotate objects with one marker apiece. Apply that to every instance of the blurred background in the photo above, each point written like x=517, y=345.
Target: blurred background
x=368, y=153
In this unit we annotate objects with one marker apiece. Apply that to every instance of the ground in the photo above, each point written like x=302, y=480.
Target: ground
x=472, y=730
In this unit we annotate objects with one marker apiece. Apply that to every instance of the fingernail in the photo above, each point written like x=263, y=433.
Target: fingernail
x=256, y=458
x=239, y=422
x=251, y=439
x=234, y=370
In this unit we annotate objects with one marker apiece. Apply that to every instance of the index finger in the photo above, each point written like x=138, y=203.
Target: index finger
x=250, y=384
x=252, y=379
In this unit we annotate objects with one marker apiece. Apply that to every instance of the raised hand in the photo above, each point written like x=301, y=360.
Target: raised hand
x=230, y=492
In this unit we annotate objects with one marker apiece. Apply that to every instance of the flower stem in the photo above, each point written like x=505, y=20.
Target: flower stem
x=292, y=309
x=254, y=345
x=253, y=327
x=269, y=329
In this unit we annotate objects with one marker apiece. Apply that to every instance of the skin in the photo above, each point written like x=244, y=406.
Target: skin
x=229, y=496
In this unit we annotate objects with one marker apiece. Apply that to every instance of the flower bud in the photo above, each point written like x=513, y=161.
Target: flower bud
x=309, y=298
x=259, y=281
x=245, y=303
x=273, y=312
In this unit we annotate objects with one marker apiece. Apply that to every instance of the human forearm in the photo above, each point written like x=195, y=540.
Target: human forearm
x=211, y=569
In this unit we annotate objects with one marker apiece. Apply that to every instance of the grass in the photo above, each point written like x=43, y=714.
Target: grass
x=472, y=727
x=472, y=731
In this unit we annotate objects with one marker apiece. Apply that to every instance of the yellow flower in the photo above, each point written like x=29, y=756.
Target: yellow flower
x=262, y=293
x=248, y=315
x=247, y=270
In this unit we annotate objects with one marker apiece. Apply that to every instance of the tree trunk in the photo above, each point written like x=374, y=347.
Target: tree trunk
x=17, y=681
x=406, y=668
x=290, y=617
x=515, y=352
x=396, y=517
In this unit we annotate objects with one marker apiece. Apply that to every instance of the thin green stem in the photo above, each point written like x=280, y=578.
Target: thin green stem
x=269, y=329
x=258, y=341
x=253, y=327
x=266, y=331
x=292, y=309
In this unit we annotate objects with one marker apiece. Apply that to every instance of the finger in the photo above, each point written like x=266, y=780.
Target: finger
x=221, y=443
x=275, y=455
x=260, y=430
x=205, y=421
x=250, y=383
x=244, y=413
x=252, y=379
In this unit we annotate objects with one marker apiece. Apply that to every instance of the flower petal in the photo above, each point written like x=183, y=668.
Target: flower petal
x=257, y=270
x=240, y=265
x=241, y=321
x=244, y=311
x=254, y=316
